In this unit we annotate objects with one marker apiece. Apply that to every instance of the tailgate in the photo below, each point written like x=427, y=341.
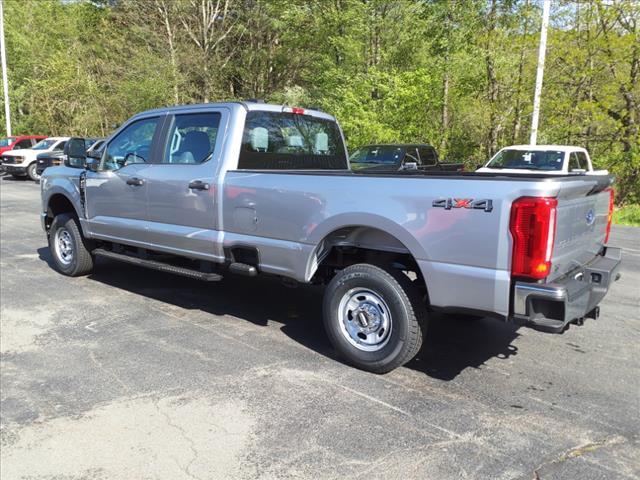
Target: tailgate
x=582, y=216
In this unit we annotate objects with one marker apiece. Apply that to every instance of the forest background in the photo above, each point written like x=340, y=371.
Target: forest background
x=458, y=74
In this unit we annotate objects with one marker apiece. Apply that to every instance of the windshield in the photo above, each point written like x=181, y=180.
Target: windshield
x=44, y=144
x=528, y=159
x=5, y=142
x=380, y=154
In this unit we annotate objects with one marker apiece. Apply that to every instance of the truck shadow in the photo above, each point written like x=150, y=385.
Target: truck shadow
x=453, y=343
x=457, y=342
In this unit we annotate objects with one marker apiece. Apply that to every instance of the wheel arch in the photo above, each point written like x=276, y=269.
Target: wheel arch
x=58, y=203
x=386, y=242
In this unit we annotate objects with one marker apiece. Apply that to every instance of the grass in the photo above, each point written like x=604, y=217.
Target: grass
x=627, y=215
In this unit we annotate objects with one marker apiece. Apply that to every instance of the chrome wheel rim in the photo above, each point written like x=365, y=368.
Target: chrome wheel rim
x=34, y=172
x=365, y=319
x=63, y=244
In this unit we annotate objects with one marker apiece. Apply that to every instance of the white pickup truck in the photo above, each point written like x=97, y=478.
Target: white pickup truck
x=24, y=161
x=553, y=159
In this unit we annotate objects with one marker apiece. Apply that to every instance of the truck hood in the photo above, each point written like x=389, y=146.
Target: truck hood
x=50, y=154
x=22, y=152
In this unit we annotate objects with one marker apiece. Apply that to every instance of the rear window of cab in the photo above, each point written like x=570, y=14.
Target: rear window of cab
x=291, y=141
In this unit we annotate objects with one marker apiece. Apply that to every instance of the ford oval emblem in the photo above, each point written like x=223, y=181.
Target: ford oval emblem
x=590, y=217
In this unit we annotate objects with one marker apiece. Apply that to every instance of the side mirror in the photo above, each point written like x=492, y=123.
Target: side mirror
x=409, y=166
x=75, y=153
x=92, y=164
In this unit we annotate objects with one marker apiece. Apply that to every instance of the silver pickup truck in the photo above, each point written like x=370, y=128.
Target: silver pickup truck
x=250, y=188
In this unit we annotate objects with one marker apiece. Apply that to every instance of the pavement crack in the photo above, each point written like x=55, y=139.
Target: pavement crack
x=577, y=452
x=192, y=446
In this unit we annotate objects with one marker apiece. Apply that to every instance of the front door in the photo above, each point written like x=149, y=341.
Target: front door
x=116, y=195
x=182, y=204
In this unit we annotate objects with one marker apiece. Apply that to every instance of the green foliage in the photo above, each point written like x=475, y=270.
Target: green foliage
x=457, y=74
x=627, y=215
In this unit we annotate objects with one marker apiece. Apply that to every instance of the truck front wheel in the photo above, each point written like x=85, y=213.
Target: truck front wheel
x=70, y=254
x=374, y=317
x=31, y=172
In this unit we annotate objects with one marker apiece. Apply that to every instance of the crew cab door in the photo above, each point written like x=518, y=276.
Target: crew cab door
x=116, y=195
x=182, y=203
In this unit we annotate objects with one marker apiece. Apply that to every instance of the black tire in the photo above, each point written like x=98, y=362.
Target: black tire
x=408, y=316
x=31, y=172
x=66, y=229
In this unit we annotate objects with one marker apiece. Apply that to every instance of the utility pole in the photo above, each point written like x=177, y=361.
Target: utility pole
x=546, y=6
x=5, y=82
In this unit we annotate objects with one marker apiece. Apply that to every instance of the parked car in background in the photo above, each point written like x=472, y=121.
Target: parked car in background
x=23, y=162
x=396, y=157
x=554, y=159
x=19, y=142
x=54, y=158
x=251, y=189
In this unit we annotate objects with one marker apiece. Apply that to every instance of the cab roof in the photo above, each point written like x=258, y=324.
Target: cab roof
x=557, y=148
x=246, y=105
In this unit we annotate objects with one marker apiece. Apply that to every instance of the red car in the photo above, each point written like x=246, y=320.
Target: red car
x=20, y=141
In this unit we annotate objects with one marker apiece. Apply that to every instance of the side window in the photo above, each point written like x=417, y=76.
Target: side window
x=59, y=147
x=23, y=144
x=411, y=156
x=192, y=138
x=96, y=147
x=582, y=160
x=428, y=156
x=131, y=145
x=574, y=164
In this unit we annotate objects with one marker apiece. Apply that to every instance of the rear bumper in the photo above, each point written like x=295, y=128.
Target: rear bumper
x=551, y=306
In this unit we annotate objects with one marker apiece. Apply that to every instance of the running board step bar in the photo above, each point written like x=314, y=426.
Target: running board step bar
x=155, y=265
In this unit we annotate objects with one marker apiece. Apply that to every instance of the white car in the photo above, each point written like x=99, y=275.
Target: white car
x=558, y=159
x=24, y=161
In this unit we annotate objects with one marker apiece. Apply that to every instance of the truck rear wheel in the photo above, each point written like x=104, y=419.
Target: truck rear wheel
x=68, y=248
x=374, y=317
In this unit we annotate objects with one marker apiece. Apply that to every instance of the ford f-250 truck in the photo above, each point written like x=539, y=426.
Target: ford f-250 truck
x=251, y=188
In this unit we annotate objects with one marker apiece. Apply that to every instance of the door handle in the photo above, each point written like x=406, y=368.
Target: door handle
x=198, y=185
x=136, y=182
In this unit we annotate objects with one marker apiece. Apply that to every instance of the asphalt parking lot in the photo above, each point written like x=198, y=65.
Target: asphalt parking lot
x=130, y=374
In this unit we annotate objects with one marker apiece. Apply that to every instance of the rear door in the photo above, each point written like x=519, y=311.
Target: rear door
x=182, y=208
x=116, y=195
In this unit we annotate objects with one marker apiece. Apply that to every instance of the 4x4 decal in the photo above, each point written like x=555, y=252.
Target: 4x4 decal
x=449, y=203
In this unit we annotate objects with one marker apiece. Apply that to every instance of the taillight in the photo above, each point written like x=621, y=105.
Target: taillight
x=612, y=195
x=533, y=227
